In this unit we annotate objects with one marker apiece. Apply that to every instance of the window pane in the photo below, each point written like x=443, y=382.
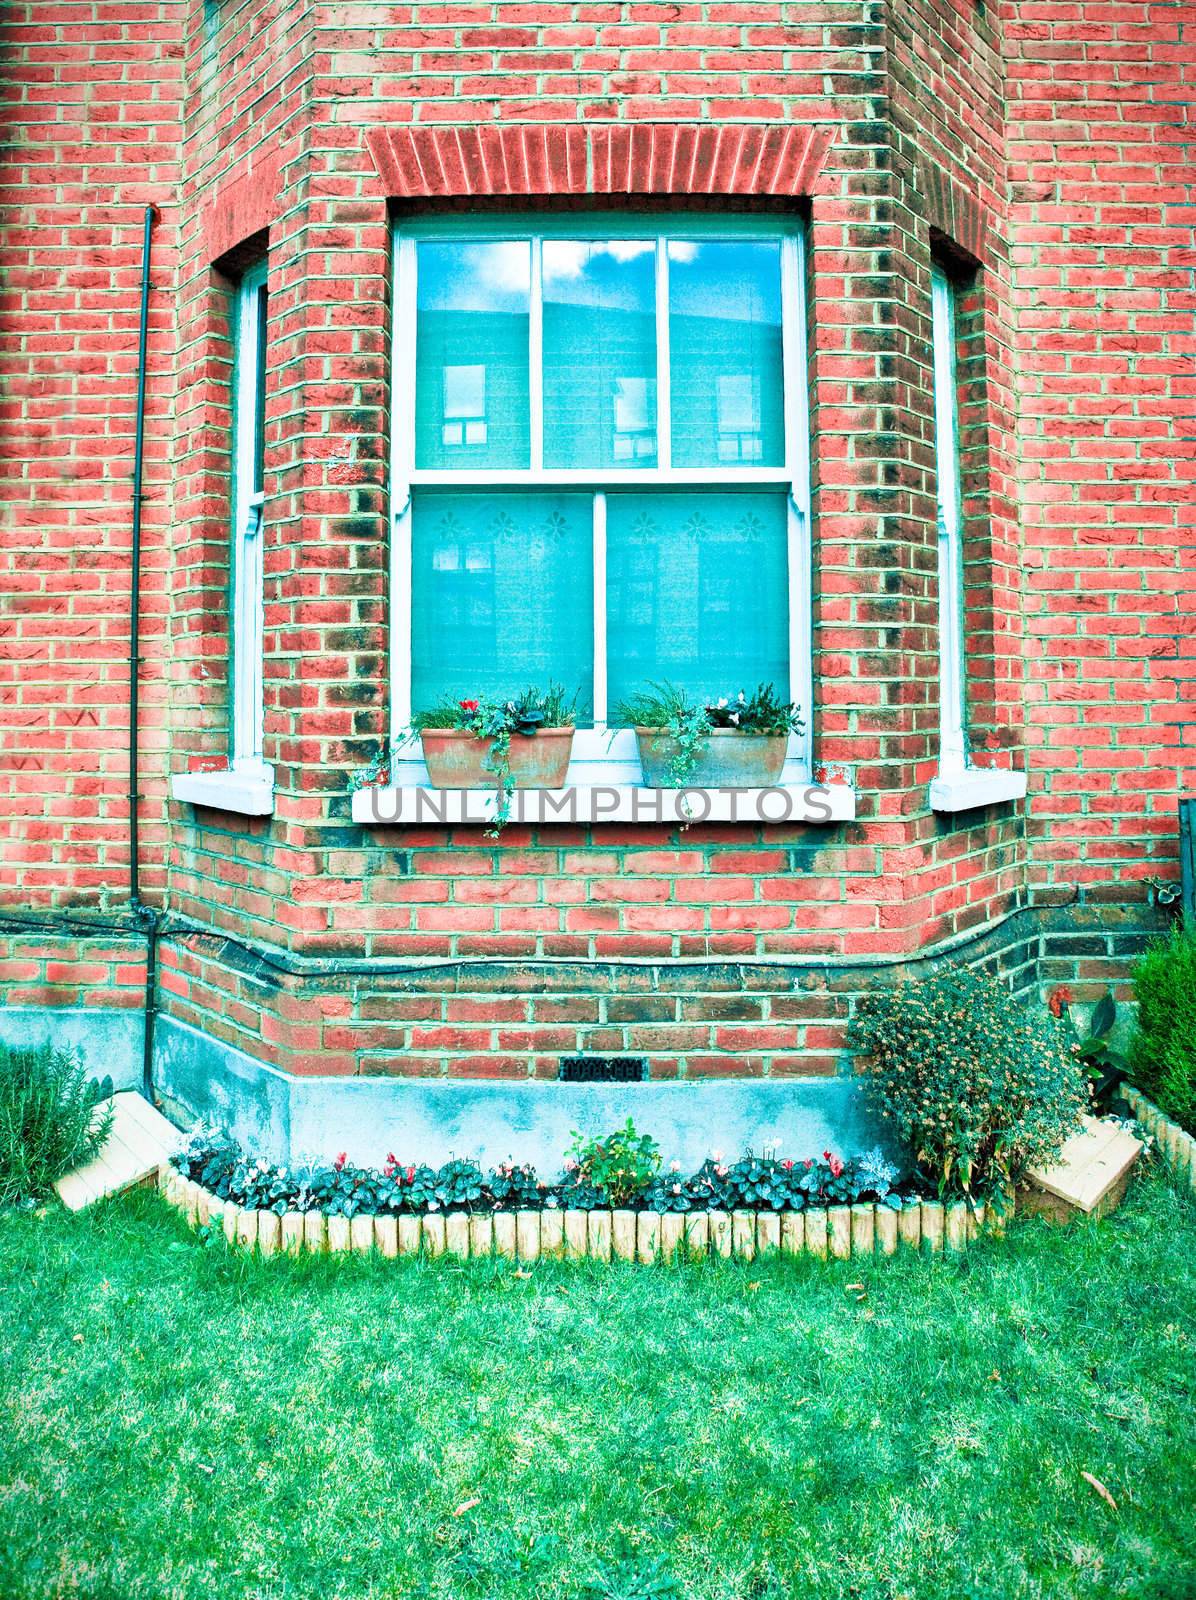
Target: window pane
x=599, y=353
x=502, y=594
x=471, y=354
x=697, y=591
x=725, y=354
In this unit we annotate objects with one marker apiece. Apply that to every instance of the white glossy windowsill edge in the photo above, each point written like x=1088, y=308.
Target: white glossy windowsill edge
x=416, y=805
x=248, y=791
x=975, y=787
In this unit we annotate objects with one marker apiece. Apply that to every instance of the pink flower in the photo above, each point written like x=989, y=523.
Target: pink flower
x=787, y=1165
x=338, y=1164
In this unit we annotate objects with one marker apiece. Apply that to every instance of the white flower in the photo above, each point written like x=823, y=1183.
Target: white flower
x=734, y=717
x=722, y=702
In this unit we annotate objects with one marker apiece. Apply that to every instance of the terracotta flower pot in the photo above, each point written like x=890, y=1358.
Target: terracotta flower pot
x=728, y=760
x=455, y=759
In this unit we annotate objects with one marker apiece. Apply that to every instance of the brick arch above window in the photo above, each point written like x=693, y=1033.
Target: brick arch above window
x=675, y=158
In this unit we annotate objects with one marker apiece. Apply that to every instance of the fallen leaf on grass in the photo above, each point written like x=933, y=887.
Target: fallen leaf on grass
x=519, y=1273
x=467, y=1505
x=203, y=1467
x=752, y=1287
x=1100, y=1489
x=857, y=1286
x=77, y=1338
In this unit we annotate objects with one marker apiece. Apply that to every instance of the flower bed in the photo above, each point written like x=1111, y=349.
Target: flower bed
x=611, y=1202
x=620, y=1234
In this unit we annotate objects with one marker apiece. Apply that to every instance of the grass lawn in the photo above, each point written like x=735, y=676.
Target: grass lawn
x=178, y=1421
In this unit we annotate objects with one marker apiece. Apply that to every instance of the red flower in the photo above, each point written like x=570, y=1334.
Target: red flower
x=339, y=1163
x=1060, y=999
x=410, y=1174
x=468, y=705
x=836, y=1167
x=788, y=1166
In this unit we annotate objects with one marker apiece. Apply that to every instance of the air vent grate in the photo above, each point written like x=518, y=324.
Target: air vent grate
x=604, y=1069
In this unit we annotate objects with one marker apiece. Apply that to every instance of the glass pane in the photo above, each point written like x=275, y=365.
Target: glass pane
x=502, y=595
x=697, y=591
x=471, y=354
x=259, y=394
x=599, y=353
x=725, y=354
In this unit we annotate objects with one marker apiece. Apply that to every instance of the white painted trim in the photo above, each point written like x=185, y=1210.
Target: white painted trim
x=402, y=465
x=664, y=377
x=601, y=709
x=973, y=787
x=247, y=788
x=535, y=362
x=597, y=477
x=248, y=512
x=952, y=748
x=593, y=805
x=793, y=475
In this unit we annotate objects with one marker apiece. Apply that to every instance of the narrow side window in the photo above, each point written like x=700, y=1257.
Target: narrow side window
x=248, y=497
x=952, y=750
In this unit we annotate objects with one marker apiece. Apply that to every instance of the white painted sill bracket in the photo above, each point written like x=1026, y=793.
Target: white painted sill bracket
x=412, y=805
x=246, y=788
x=973, y=787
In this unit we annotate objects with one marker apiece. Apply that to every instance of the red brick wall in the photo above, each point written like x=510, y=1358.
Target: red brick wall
x=1101, y=146
x=259, y=126
x=92, y=122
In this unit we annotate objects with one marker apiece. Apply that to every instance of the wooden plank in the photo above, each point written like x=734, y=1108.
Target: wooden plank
x=138, y=1143
x=1089, y=1165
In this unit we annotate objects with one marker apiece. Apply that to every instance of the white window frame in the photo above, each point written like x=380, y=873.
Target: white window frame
x=959, y=786
x=601, y=756
x=952, y=746
x=247, y=786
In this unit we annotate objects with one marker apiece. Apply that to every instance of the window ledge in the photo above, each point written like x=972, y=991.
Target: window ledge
x=974, y=787
x=246, y=790
x=411, y=805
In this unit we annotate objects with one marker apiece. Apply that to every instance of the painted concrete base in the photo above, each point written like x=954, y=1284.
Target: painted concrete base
x=292, y=1119
x=109, y=1041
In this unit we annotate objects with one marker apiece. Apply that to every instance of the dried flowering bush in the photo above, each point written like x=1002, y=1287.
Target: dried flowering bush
x=976, y=1085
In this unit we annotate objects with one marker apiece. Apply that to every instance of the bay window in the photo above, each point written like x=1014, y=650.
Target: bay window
x=599, y=467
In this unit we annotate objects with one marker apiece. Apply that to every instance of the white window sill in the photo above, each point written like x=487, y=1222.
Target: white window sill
x=412, y=805
x=248, y=789
x=974, y=787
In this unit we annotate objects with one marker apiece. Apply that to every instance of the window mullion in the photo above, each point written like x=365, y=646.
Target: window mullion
x=664, y=406
x=402, y=464
x=535, y=356
x=601, y=712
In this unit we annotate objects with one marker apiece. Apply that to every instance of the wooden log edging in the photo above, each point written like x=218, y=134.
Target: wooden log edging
x=926, y=1227
x=1177, y=1148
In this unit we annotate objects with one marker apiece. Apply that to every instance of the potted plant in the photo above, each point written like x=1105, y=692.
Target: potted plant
x=737, y=743
x=524, y=743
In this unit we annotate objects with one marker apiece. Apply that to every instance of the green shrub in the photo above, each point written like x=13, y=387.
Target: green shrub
x=974, y=1084
x=621, y=1165
x=46, y=1121
x=1163, y=1051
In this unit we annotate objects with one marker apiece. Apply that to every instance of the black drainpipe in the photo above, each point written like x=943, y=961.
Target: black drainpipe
x=145, y=914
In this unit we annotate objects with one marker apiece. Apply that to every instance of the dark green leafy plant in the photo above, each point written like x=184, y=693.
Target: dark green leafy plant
x=668, y=709
x=1105, y=1065
x=49, y=1122
x=498, y=722
x=974, y=1084
x=1163, y=1052
x=622, y=1164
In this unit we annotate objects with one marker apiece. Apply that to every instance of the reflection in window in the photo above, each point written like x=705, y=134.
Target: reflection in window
x=599, y=353
x=471, y=360
x=464, y=406
x=697, y=591
x=501, y=593
x=725, y=353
